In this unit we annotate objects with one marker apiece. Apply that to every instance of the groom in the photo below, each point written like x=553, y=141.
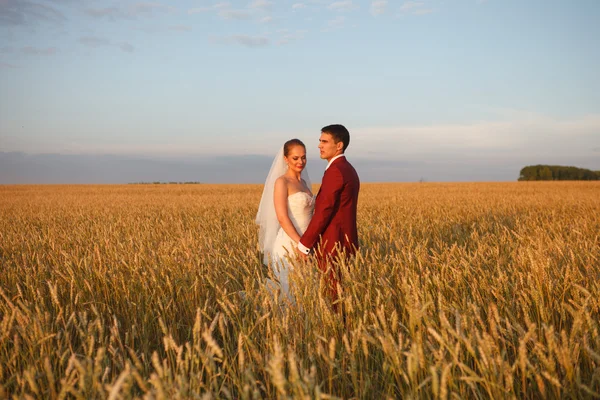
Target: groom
x=332, y=231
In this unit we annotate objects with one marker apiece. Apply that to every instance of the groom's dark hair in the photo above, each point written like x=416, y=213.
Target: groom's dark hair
x=339, y=133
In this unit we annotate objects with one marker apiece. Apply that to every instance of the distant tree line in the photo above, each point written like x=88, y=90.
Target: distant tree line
x=557, y=173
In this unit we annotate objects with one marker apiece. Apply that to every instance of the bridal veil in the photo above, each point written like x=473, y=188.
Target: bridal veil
x=266, y=217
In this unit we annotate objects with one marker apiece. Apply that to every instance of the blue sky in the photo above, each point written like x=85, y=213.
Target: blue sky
x=497, y=84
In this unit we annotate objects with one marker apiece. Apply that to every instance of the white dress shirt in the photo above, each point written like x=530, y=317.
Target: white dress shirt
x=302, y=247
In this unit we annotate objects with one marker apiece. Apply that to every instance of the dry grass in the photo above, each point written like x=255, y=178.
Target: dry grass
x=460, y=290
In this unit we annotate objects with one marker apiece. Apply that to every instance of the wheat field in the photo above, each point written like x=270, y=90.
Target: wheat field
x=460, y=290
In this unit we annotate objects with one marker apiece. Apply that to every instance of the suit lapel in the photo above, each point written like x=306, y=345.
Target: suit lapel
x=334, y=161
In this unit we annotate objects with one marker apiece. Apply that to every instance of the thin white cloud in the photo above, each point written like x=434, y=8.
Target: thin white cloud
x=161, y=28
x=234, y=14
x=24, y=12
x=288, y=37
x=95, y=42
x=108, y=12
x=215, y=7
x=344, y=5
x=335, y=23
x=516, y=133
x=48, y=51
x=244, y=40
x=7, y=65
x=489, y=146
x=411, y=5
x=416, y=8
x=132, y=11
x=378, y=7
x=141, y=8
x=126, y=47
x=180, y=28
x=298, y=6
x=261, y=4
x=198, y=10
x=266, y=19
x=424, y=11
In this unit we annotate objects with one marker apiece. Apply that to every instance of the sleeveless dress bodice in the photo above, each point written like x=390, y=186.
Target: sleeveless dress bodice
x=300, y=210
x=301, y=206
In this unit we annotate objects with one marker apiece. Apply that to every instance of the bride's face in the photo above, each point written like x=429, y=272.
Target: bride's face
x=296, y=159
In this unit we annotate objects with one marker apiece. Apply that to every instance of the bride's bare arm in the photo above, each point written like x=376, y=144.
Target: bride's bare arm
x=281, y=209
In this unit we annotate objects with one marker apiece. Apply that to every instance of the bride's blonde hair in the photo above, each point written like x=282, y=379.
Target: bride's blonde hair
x=290, y=144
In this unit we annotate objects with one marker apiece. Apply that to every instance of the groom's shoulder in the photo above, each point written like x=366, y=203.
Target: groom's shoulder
x=345, y=163
x=347, y=166
x=343, y=166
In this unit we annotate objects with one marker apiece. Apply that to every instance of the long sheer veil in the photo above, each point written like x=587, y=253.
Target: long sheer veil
x=266, y=217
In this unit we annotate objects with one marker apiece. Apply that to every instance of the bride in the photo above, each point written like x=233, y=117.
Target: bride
x=285, y=209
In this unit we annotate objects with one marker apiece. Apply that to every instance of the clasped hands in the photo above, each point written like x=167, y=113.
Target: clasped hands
x=301, y=254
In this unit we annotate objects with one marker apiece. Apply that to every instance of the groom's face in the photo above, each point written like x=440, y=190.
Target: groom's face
x=328, y=147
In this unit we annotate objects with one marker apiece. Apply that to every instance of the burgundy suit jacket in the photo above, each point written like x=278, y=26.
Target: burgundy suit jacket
x=333, y=225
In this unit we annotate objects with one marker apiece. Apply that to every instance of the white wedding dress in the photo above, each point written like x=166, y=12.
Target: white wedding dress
x=275, y=245
x=301, y=206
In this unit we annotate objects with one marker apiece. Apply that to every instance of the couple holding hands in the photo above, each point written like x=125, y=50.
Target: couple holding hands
x=294, y=223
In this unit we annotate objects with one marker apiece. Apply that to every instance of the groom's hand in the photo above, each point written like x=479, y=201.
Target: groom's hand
x=301, y=254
